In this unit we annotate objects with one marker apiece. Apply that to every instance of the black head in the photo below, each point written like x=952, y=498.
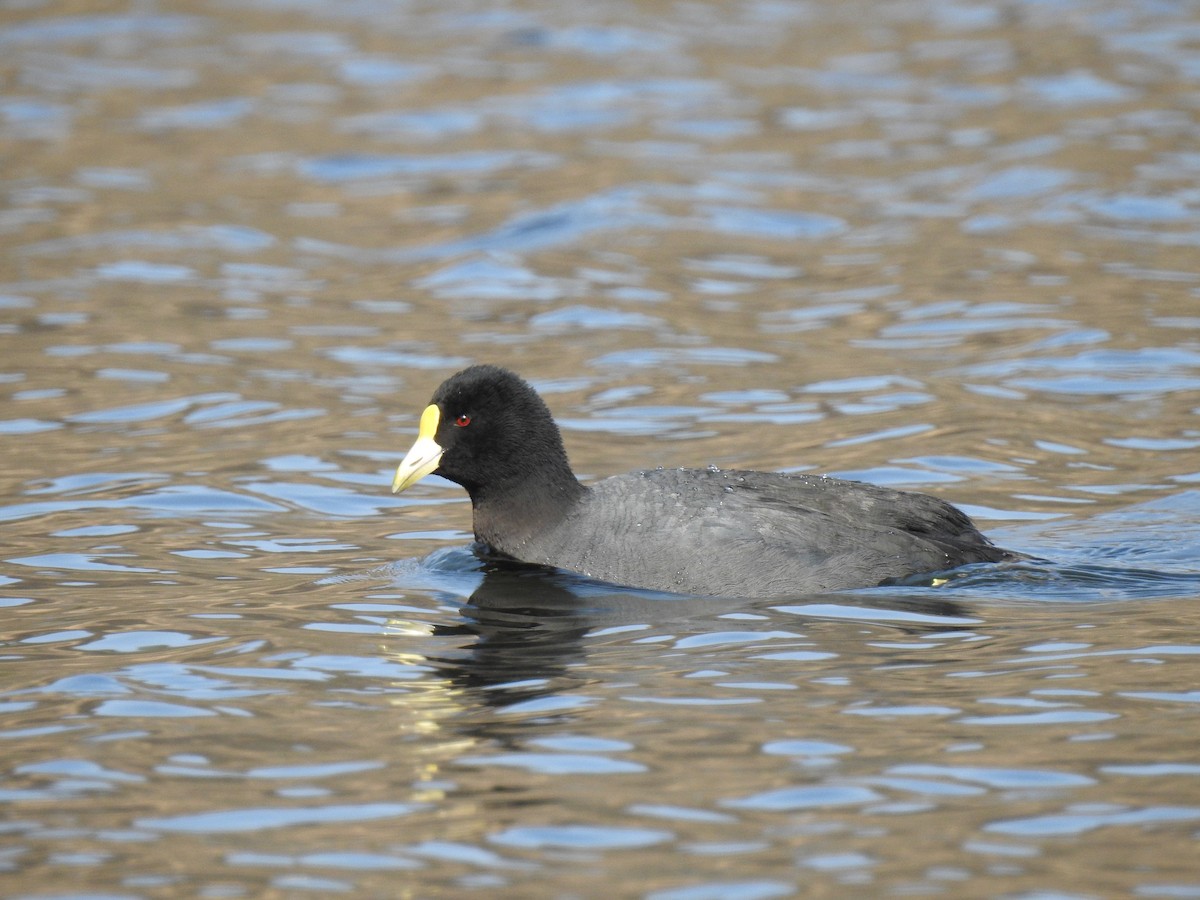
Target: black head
x=487, y=430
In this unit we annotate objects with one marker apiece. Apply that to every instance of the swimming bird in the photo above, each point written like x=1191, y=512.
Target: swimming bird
x=713, y=532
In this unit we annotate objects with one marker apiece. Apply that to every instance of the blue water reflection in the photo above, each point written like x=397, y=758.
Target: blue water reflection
x=934, y=246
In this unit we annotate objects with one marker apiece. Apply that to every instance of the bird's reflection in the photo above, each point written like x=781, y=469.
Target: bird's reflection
x=525, y=628
x=523, y=632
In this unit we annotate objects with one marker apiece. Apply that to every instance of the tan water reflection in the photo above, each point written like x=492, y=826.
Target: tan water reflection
x=935, y=246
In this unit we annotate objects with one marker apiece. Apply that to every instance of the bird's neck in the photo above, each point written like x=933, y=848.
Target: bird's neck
x=508, y=516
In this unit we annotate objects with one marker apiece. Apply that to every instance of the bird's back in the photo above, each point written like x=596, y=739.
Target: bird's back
x=743, y=533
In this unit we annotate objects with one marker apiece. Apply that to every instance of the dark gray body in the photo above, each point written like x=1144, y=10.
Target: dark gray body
x=694, y=531
x=751, y=534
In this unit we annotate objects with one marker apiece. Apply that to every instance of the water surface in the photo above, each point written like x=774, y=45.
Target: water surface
x=940, y=247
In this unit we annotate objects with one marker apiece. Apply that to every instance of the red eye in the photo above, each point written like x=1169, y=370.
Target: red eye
x=462, y=421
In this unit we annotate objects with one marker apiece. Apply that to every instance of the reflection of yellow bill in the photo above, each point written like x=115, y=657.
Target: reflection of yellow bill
x=422, y=704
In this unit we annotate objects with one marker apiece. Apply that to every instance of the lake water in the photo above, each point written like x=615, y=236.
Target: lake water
x=950, y=247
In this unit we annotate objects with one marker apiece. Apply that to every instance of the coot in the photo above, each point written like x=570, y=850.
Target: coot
x=698, y=531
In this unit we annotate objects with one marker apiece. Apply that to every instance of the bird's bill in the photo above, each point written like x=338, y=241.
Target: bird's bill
x=425, y=454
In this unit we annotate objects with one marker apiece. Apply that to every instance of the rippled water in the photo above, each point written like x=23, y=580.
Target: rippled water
x=938, y=246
